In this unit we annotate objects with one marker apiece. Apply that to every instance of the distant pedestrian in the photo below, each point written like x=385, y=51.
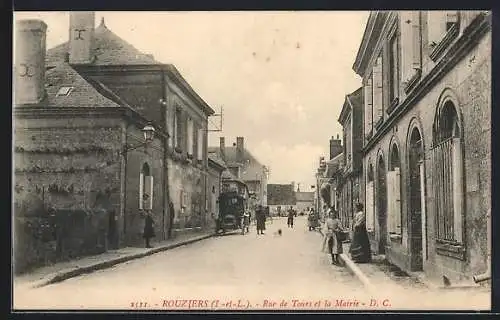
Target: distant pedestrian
x=360, y=247
x=149, y=231
x=260, y=216
x=171, y=215
x=291, y=214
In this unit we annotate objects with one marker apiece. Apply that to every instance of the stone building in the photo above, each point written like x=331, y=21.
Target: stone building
x=280, y=197
x=79, y=111
x=304, y=201
x=427, y=135
x=327, y=178
x=349, y=182
x=244, y=166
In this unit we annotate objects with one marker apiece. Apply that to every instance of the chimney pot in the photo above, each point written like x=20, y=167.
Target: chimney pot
x=30, y=61
x=81, y=37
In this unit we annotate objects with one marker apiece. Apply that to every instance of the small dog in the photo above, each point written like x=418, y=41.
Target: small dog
x=278, y=233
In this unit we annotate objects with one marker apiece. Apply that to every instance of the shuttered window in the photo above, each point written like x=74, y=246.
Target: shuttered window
x=370, y=212
x=378, y=107
x=148, y=189
x=410, y=45
x=190, y=141
x=394, y=201
x=393, y=67
x=439, y=23
x=200, y=143
x=178, y=128
x=368, y=114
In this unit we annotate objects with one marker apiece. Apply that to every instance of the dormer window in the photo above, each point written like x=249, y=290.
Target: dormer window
x=64, y=91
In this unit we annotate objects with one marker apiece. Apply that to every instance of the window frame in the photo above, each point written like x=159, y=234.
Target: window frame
x=454, y=247
x=393, y=68
x=437, y=49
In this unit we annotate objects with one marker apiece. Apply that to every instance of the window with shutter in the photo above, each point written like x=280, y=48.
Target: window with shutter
x=442, y=28
x=148, y=184
x=410, y=42
x=141, y=190
x=368, y=115
x=200, y=144
x=394, y=201
x=378, y=92
x=370, y=218
x=190, y=129
x=195, y=142
x=178, y=128
x=393, y=71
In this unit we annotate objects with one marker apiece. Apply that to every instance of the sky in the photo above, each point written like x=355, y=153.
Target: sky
x=279, y=77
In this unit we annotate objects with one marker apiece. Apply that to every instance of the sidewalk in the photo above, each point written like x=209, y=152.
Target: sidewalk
x=64, y=270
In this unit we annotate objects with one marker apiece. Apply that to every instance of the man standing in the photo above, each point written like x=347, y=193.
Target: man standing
x=171, y=214
x=291, y=213
x=260, y=215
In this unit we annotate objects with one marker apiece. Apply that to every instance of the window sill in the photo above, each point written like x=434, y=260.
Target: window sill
x=450, y=249
x=413, y=80
x=393, y=105
x=439, y=48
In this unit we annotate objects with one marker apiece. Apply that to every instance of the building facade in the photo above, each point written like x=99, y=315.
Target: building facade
x=426, y=139
x=79, y=111
x=216, y=167
x=304, y=201
x=349, y=182
x=244, y=166
x=280, y=198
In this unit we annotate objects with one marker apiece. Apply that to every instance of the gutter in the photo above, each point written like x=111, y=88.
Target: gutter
x=486, y=275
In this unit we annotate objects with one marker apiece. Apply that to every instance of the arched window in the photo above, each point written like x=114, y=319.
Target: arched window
x=448, y=174
x=369, y=203
x=145, y=188
x=394, y=192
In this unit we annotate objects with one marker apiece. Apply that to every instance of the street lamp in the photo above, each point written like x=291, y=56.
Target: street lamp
x=148, y=132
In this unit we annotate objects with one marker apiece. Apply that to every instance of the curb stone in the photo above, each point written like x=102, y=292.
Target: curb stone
x=353, y=268
x=67, y=274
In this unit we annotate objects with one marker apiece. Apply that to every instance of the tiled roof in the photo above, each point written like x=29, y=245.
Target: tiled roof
x=213, y=157
x=251, y=168
x=109, y=49
x=82, y=94
x=304, y=196
x=280, y=194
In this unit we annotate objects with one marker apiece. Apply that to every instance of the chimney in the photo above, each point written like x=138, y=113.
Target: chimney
x=30, y=61
x=335, y=147
x=240, y=147
x=81, y=37
x=222, y=147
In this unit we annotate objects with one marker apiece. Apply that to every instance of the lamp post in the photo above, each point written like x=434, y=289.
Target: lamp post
x=148, y=132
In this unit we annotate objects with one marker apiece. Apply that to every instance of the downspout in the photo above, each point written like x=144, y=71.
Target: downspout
x=166, y=195
x=486, y=275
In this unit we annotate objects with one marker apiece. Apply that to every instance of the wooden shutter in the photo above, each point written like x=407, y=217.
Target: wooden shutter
x=390, y=202
x=148, y=189
x=397, y=200
x=457, y=188
x=377, y=91
x=190, y=136
x=423, y=209
x=405, y=25
x=200, y=144
x=436, y=27
x=141, y=190
x=417, y=41
x=368, y=117
x=369, y=206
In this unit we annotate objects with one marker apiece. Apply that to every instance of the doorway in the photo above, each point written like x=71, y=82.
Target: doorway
x=382, y=205
x=415, y=203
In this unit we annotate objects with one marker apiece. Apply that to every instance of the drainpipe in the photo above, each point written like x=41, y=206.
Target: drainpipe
x=487, y=275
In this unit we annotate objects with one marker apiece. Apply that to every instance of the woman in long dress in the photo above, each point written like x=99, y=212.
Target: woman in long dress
x=360, y=246
x=331, y=230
